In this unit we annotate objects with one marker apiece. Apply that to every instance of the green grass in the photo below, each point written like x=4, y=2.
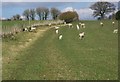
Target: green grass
x=94, y=57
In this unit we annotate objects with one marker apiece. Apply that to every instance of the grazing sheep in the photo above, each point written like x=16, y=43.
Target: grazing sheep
x=70, y=25
x=57, y=27
x=64, y=23
x=78, y=27
x=113, y=23
x=56, y=31
x=32, y=29
x=60, y=36
x=49, y=24
x=81, y=35
x=101, y=23
x=115, y=31
x=82, y=25
x=25, y=29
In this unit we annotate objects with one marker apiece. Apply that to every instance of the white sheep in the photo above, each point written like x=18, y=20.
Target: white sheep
x=64, y=23
x=70, y=25
x=115, y=31
x=56, y=27
x=25, y=29
x=78, y=27
x=56, y=31
x=113, y=23
x=82, y=25
x=32, y=28
x=60, y=36
x=81, y=35
x=49, y=24
x=101, y=23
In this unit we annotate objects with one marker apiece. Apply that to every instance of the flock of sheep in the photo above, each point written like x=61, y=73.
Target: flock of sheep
x=113, y=23
x=70, y=25
x=78, y=26
x=33, y=28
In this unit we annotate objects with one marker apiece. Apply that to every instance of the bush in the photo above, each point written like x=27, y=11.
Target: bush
x=69, y=16
x=118, y=15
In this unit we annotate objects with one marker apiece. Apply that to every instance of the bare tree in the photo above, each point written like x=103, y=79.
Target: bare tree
x=46, y=12
x=13, y=17
x=101, y=9
x=55, y=12
x=42, y=12
x=16, y=17
x=26, y=13
x=32, y=14
x=39, y=12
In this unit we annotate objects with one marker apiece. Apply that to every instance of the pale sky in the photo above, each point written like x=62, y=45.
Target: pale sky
x=57, y=0
x=13, y=7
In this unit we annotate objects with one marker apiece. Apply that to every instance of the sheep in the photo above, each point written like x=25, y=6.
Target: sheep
x=33, y=25
x=60, y=36
x=81, y=35
x=70, y=25
x=82, y=25
x=56, y=27
x=101, y=23
x=25, y=29
x=64, y=23
x=49, y=24
x=78, y=27
x=115, y=31
x=32, y=29
x=113, y=23
x=56, y=31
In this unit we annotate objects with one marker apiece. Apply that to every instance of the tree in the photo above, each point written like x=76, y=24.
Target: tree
x=26, y=13
x=16, y=17
x=118, y=15
x=39, y=13
x=69, y=16
x=32, y=14
x=101, y=9
x=42, y=12
x=55, y=13
x=46, y=12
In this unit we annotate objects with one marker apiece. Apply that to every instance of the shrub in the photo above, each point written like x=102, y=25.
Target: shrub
x=69, y=16
x=118, y=15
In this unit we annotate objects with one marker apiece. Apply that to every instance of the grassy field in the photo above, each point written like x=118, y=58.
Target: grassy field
x=39, y=56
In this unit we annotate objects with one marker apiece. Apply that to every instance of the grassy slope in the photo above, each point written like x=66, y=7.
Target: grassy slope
x=95, y=57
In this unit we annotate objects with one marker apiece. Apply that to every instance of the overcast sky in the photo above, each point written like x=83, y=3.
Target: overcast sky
x=11, y=7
